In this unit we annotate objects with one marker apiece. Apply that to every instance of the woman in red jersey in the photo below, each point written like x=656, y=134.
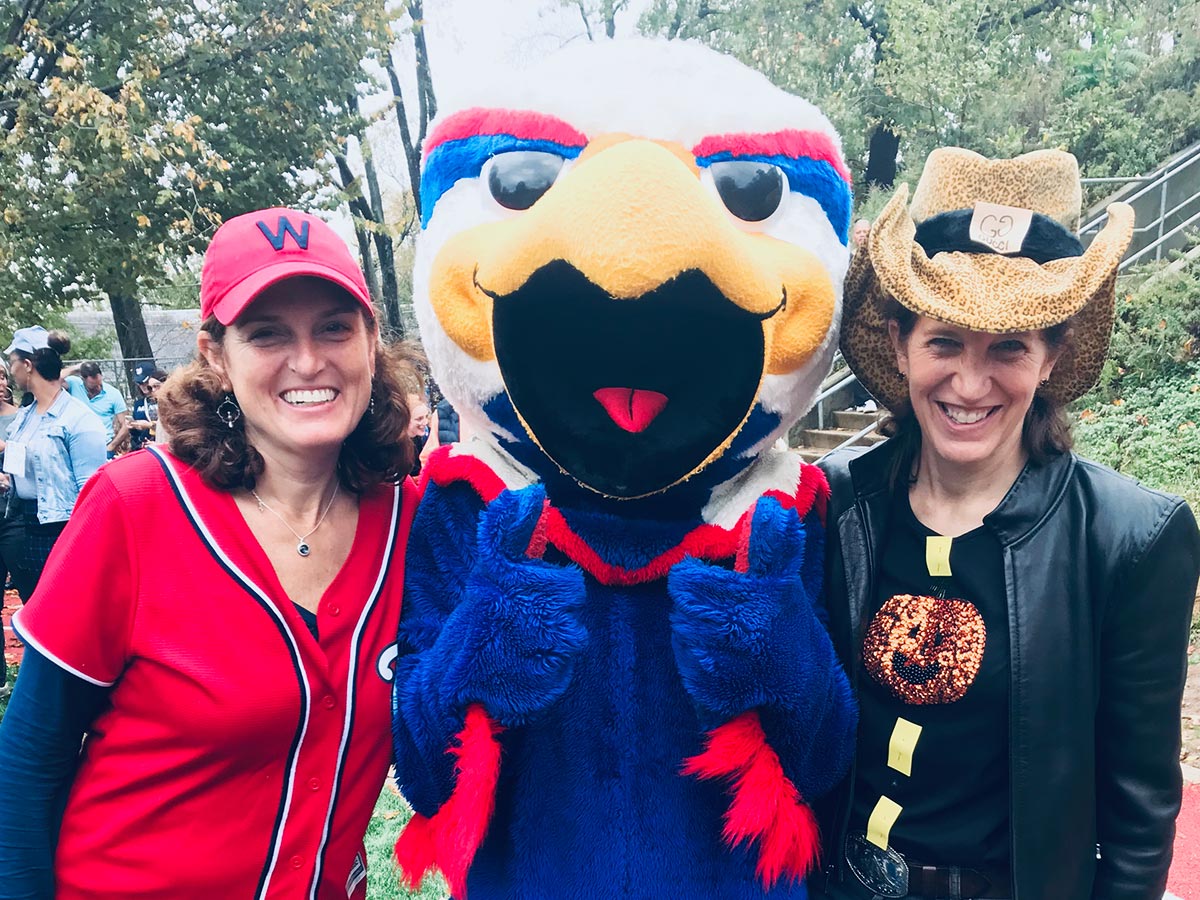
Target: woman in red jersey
x=234, y=690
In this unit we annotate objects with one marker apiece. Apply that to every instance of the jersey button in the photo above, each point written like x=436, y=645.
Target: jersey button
x=328, y=702
x=314, y=784
x=334, y=609
x=297, y=862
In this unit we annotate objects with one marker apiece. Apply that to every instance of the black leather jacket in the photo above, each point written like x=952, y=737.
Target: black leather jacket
x=1100, y=574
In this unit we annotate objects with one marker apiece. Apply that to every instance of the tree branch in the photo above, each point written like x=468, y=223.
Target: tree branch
x=587, y=26
x=412, y=154
x=676, y=22
x=426, y=104
x=993, y=22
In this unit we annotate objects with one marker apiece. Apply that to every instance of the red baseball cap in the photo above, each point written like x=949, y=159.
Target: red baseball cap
x=251, y=252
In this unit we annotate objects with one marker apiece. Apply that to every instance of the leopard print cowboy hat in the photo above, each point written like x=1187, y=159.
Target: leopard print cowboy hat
x=924, y=256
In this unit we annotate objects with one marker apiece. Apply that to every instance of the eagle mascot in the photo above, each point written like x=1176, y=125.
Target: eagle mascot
x=613, y=677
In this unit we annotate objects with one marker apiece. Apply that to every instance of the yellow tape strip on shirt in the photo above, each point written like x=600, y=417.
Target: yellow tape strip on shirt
x=937, y=555
x=904, y=741
x=883, y=817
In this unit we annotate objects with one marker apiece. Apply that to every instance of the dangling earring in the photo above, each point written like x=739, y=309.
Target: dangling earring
x=371, y=406
x=228, y=410
x=903, y=376
x=1045, y=382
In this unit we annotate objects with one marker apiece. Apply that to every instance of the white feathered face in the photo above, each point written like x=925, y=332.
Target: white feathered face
x=637, y=287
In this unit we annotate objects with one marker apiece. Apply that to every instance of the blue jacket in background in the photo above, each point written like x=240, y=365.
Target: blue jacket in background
x=63, y=452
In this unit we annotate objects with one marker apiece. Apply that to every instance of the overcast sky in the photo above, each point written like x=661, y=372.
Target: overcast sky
x=469, y=40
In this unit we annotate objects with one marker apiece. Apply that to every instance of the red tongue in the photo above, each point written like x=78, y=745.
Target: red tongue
x=631, y=408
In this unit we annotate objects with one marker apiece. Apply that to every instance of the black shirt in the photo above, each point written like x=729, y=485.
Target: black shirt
x=936, y=654
x=137, y=437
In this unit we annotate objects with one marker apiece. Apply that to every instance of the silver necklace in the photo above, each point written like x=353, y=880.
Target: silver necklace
x=302, y=546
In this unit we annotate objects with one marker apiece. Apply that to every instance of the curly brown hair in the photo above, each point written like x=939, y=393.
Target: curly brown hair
x=377, y=451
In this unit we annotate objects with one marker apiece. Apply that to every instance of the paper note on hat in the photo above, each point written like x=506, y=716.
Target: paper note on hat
x=1003, y=228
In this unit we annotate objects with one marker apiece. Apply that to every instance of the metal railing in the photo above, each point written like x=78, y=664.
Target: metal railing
x=845, y=381
x=1163, y=181
x=854, y=438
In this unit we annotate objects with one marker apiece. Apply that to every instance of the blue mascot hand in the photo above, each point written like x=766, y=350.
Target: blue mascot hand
x=512, y=642
x=744, y=640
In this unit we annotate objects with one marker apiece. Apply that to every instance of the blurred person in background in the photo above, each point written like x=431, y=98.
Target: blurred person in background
x=53, y=446
x=444, y=428
x=12, y=530
x=418, y=428
x=103, y=399
x=861, y=229
x=140, y=427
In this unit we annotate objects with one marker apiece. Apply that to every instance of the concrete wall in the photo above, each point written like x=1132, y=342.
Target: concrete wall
x=172, y=332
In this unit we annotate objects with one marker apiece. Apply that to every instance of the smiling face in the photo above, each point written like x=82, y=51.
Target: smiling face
x=970, y=390
x=299, y=360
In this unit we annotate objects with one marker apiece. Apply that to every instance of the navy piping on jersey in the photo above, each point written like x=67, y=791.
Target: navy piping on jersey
x=351, y=675
x=260, y=596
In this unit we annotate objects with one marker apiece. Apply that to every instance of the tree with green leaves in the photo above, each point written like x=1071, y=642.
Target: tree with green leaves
x=1112, y=81
x=130, y=131
x=384, y=228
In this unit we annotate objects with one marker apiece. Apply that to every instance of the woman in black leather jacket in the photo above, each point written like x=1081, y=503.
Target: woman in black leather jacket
x=1014, y=618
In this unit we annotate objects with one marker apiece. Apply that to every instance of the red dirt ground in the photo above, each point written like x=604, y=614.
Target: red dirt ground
x=1185, y=870
x=12, y=647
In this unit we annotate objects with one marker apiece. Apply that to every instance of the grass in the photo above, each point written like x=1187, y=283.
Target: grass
x=12, y=677
x=383, y=881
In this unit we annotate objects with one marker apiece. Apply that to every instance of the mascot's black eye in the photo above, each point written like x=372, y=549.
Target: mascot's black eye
x=750, y=190
x=518, y=179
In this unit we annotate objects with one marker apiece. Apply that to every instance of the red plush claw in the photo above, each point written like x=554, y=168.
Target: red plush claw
x=448, y=841
x=765, y=804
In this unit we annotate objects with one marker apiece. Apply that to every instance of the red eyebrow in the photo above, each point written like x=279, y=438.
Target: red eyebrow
x=792, y=143
x=522, y=124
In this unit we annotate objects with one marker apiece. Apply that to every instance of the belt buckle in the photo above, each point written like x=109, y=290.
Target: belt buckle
x=883, y=871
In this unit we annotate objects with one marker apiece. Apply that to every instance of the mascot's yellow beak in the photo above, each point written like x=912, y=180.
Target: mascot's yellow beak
x=632, y=320
x=631, y=215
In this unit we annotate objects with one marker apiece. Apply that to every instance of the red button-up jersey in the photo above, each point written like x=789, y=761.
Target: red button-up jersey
x=239, y=757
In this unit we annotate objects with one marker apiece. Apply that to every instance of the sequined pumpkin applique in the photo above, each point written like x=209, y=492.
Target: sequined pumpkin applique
x=925, y=650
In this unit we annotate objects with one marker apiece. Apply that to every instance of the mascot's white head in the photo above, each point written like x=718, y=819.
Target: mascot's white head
x=631, y=265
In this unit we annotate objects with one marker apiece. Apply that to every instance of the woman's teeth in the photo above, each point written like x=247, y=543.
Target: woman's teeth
x=964, y=416
x=300, y=398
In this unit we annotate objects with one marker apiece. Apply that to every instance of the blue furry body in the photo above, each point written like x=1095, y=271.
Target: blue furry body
x=591, y=802
x=598, y=718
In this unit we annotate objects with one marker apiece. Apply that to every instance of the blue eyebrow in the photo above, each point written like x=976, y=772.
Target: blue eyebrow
x=813, y=178
x=464, y=158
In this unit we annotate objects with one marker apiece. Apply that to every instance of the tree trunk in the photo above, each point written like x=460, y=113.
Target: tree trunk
x=368, y=264
x=131, y=330
x=384, y=249
x=882, y=150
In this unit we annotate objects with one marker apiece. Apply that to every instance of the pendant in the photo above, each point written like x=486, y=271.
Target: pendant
x=302, y=548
